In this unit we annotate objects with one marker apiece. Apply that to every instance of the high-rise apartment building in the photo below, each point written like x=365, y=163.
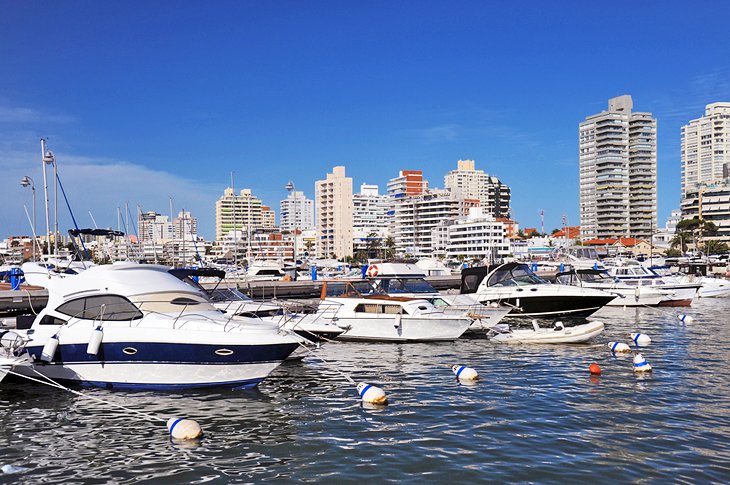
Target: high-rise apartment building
x=333, y=203
x=706, y=148
x=154, y=227
x=185, y=225
x=369, y=216
x=468, y=183
x=296, y=212
x=419, y=219
x=618, y=191
x=240, y=212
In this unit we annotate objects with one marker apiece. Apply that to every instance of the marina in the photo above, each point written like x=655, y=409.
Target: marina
x=535, y=415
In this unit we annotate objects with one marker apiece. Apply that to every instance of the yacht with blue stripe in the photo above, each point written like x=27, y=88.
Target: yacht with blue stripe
x=135, y=326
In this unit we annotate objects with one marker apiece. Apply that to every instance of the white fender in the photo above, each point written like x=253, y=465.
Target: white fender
x=95, y=341
x=49, y=349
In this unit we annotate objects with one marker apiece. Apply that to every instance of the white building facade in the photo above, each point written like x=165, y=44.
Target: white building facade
x=618, y=184
x=242, y=211
x=333, y=204
x=477, y=237
x=706, y=148
x=296, y=212
x=468, y=183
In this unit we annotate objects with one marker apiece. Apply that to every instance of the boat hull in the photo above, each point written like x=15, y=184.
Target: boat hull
x=405, y=329
x=551, y=306
x=162, y=366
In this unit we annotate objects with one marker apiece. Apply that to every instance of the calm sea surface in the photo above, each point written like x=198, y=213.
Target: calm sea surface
x=535, y=416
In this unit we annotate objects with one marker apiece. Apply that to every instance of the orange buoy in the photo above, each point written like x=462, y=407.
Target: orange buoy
x=594, y=369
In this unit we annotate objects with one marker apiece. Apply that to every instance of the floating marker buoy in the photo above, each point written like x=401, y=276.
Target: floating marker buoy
x=184, y=429
x=95, y=341
x=686, y=318
x=594, y=369
x=618, y=347
x=371, y=394
x=640, y=339
x=49, y=349
x=640, y=364
x=465, y=373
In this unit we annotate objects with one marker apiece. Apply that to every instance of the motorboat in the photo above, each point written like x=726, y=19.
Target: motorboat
x=634, y=274
x=557, y=334
x=380, y=317
x=130, y=325
x=408, y=280
x=514, y=285
x=710, y=287
x=233, y=302
x=626, y=295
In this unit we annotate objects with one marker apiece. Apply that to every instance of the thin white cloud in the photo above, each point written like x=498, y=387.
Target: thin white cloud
x=439, y=134
x=25, y=115
x=99, y=186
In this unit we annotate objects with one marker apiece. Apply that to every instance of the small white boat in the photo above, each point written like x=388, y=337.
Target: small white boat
x=626, y=295
x=711, y=287
x=557, y=334
x=384, y=318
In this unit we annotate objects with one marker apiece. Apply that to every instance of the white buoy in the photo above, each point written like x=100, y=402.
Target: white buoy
x=684, y=318
x=640, y=364
x=95, y=341
x=640, y=339
x=49, y=349
x=371, y=394
x=465, y=373
x=184, y=429
x=618, y=347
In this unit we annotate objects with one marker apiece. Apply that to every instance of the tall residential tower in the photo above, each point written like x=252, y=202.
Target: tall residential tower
x=618, y=176
x=333, y=201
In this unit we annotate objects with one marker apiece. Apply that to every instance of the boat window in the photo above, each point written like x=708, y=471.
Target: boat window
x=439, y=302
x=184, y=301
x=406, y=285
x=173, y=302
x=227, y=294
x=514, y=276
x=378, y=308
x=51, y=320
x=104, y=307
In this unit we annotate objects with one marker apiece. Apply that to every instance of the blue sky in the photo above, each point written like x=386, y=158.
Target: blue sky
x=142, y=101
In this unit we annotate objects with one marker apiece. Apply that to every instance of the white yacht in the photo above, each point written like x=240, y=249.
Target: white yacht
x=408, y=280
x=636, y=275
x=233, y=302
x=380, y=317
x=515, y=286
x=711, y=287
x=626, y=295
x=131, y=325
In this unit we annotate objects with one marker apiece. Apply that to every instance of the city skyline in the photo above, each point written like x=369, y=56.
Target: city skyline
x=170, y=106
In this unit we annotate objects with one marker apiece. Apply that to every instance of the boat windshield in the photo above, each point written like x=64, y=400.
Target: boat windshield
x=518, y=275
x=349, y=288
x=227, y=294
x=405, y=285
x=596, y=277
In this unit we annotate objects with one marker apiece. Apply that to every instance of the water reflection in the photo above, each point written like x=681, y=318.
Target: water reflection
x=535, y=415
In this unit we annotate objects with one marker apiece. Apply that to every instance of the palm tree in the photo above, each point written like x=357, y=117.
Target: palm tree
x=389, y=247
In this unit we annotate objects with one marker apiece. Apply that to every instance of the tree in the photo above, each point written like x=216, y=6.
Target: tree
x=389, y=247
x=373, y=245
x=713, y=246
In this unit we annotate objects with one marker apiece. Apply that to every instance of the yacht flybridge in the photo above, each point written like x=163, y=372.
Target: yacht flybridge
x=529, y=296
x=128, y=325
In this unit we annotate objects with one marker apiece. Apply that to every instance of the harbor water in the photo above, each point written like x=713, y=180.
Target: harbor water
x=535, y=415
